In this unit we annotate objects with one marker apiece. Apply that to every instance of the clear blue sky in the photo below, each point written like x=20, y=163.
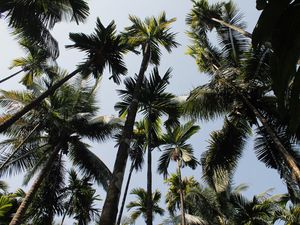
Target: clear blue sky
x=185, y=77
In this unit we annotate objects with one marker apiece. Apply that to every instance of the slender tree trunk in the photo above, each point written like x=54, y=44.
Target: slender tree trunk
x=182, y=205
x=19, y=215
x=125, y=194
x=288, y=158
x=241, y=31
x=110, y=208
x=11, y=76
x=6, y=124
x=18, y=147
x=66, y=212
x=149, y=211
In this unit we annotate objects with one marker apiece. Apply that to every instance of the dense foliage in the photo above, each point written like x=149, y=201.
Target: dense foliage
x=47, y=126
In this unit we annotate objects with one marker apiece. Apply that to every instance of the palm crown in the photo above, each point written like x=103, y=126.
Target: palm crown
x=104, y=48
x=150, y=34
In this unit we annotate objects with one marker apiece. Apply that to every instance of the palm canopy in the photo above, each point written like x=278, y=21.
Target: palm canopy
x=36, y=63
x=240, y=81
x=104, y=39
x=154, y=101
x=177, y=184
x=232, y=44
x=150, y=34
x=176, y=147
x=33, y=19
x=9, y=202
x=140, y=205
x=81, y=198
x=104, y=48
x=224, y=150
x=64, y=118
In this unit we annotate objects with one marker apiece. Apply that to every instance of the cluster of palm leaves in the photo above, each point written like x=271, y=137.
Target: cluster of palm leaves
x=240, y=89
x=46, y=125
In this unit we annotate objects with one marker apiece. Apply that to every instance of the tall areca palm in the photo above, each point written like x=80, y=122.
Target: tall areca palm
x=180, y=188
x=34, y=19
x=103, y=48
x=148, y=36
x=136, y=155
x=81, y=199
x=65, y=118
x=240, y=84
x=177, y=149
x=140, y=205
x=154, y=102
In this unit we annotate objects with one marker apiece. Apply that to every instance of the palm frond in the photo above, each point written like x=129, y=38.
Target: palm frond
x=89, y=163
x=224, y=151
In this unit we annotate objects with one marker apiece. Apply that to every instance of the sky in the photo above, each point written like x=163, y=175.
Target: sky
x=185, y=78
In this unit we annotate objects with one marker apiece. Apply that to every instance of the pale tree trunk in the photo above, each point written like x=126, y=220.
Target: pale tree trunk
x=19, y=215
x=125, y=194
x=241, y=31
x=6, y=124
x=11, y=76
x=149, y=211
x=182, y=204
x=110, y=207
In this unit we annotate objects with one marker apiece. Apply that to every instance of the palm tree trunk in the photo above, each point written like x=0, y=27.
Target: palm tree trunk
x=66, y=212
x=18, y=217
x=241, y=31
x=11, y=76
x=182, y=207
x=125, y=194
x=110, y=208
x=149, y=211
x=288, y=158
x=6, y=124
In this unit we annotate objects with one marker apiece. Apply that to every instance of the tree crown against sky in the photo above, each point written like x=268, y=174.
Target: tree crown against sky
x=181, y=71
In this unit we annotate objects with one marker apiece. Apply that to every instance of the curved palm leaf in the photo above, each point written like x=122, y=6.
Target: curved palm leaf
x=33, y=19
x=224, y=150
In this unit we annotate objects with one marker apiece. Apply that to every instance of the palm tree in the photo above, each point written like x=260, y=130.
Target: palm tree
x=36, y=63
x=9, y=202
x=240, y=85
x=153, y=103
x=34, y=19
x=104, y=48
x=207, y=16
x=140, y=205
x=148, y=36
x=65, y=117
x=179, y=189
x=258, y=211
x=290, y=215
x=81, y=199
x=177, y=149
x=136, y=155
